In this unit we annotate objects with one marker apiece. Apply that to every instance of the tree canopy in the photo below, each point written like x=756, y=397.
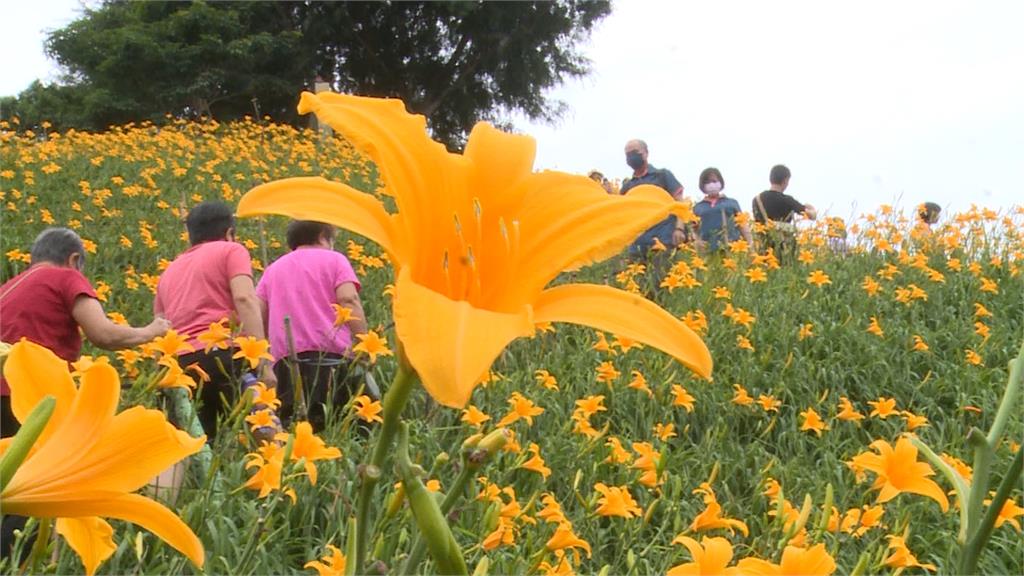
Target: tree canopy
x=454, y=62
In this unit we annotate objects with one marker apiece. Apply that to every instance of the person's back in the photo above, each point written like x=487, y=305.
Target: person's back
x=194, y=291
x=37, y=304
x=775, y=205
x=301, y=285
x=305, y=285
x=207, y=283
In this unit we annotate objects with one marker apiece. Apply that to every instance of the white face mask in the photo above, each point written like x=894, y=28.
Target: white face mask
x=713, y=188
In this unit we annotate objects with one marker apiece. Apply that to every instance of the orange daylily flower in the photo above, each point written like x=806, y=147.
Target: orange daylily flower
x=89, y=459
x=898, y=470
x=546, y=379
x=814, y=561
x=902, y=557
x=883, y=407
x=218, y=335
x=332, y=564
x=565, y=538
x=341, y=315
x=681, y=397
x=309, y=448
x=818, y=278
x=368, y=409
x=253, y=350
x=171, y=343
x=536, y=463
x=616, y=501
x=474, y=416
x=741, y=396
x=710, y=556
x=847, y=411
x=373, y=345
x=476, y=239
x=711, y=517
x=552, y=511
x=522, y=407
x=812, y=422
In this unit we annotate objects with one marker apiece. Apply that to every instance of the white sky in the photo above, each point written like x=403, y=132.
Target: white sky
x=867, y=103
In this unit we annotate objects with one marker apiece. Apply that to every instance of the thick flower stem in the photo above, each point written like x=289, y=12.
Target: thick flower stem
x=433, y=527
x=26, y=437
x=1008, y=405
x=393, y=406
x=972, y=552
x=419, y=546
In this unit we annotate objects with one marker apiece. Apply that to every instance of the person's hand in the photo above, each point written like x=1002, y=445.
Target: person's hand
x=267, y=376
x=678, y=237
x=158, y=327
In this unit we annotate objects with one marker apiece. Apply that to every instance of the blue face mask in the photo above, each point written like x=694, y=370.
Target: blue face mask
x=634, y=159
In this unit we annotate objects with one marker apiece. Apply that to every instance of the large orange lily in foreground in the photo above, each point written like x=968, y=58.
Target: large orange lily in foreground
x=477, y=238
x=88, y=460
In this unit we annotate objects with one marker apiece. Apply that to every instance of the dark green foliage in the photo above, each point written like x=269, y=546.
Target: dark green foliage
x=455, y=62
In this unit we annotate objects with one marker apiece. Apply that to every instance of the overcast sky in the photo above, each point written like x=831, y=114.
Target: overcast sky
x=867, y=103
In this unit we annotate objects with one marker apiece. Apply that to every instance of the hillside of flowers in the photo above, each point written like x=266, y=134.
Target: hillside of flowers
x=581, y=451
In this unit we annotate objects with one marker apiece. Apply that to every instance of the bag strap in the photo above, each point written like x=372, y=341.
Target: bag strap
x=760, y=204
x=18, y=283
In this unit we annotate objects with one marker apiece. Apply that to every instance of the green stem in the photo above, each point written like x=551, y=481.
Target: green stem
x=39, y=547
x=393, y=405
x=427, y=513
x=979, y=479
x=959, y=483
x=1009, y=402
x=26, y=437
x=419, y=545
x=972, y=552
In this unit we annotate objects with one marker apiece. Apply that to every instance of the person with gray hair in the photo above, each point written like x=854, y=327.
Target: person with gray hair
x=51, y=300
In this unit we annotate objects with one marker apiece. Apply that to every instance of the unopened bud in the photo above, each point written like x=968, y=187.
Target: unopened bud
x=495, y=441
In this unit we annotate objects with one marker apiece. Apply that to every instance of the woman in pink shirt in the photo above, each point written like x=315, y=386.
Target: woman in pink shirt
x=302, y=286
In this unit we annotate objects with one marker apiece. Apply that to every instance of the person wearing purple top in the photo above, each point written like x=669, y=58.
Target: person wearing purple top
x=302, y=286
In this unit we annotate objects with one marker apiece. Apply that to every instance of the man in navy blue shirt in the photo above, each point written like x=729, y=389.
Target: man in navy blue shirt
x=670, y=232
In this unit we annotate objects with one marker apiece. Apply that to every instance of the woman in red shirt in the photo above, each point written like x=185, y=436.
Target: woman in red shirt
x=51, y=300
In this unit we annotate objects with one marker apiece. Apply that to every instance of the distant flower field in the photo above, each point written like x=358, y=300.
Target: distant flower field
x=796, y=456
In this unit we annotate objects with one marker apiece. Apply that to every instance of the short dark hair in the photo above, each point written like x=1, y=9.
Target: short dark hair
x=706, y=175
x=779, y=174
x=307, y=232
x=209, y=221
x=56, y=245
x=929, y=212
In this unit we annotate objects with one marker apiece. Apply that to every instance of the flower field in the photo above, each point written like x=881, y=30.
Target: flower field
x=795, y=457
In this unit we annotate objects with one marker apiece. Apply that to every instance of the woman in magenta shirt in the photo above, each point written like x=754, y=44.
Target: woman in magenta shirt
x=302, y=285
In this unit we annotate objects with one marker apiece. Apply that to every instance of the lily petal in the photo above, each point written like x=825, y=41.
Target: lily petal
x=34, y=372
x=314, y=198
x=398, y=144
x=569, y=222
x=133, y=508
x=155, y=446
x=929, y=488
x=625, y=314
x=91, y=411
x=450, y=343
x=90, y=537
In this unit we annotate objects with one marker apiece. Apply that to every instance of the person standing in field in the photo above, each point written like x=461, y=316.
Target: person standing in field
x=51, y=301
x=775, y=206
x=717, y=213
x=48, y=304
x=317, y=289
x=210, y=281
x=654, y=246
x=670, y=232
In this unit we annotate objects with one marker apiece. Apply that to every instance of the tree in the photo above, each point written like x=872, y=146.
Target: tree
x=454, y=62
